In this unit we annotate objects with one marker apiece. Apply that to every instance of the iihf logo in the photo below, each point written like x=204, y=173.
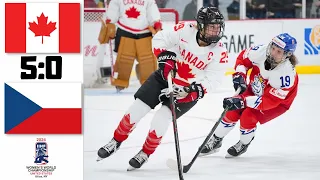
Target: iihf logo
x=41, y=153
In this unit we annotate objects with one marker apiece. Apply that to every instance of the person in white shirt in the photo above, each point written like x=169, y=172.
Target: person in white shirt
x=136, y=22
x=198, y=60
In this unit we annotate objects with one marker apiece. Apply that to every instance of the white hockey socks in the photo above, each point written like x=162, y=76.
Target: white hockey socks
x=246, y=135
x=158, y=129
x=129, y=121
x=224, y=128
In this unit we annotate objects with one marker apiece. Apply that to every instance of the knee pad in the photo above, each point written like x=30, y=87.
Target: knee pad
x=124, y=62
x=147, y=60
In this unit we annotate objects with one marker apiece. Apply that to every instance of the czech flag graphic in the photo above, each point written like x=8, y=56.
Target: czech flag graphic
x=43, y=108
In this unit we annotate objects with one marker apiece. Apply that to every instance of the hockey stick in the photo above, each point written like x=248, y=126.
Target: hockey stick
x=112, y=61
x=110, y=46
x=186, y=168
x=102, y=51
x=175, y=127
x=111, y=51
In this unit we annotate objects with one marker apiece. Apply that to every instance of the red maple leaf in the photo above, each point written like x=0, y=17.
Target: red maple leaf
x=132, y=12
x=184, y=71
x=42, y=28
x=157, y=51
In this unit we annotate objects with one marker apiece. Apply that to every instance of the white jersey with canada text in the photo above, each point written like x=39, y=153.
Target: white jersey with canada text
x=133, y=15
x=204, y=65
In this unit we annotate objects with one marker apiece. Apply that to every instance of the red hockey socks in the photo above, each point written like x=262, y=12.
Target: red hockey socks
x=151, y=143
x=132, y=117
x=124, y=129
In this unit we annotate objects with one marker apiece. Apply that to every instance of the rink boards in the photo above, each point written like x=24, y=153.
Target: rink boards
x=238, y=35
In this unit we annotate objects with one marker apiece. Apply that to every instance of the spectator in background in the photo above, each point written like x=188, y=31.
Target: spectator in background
x=258, y=9
x=309, y=7
x=234, y=9
x=214, y=3
x=249, y=9
x=281, y=9
x=161, y=3
x=223, y=5
x=190, y=11
x=315, y=9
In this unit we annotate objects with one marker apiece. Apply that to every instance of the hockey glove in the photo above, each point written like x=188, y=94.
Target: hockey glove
x=194, y=92
x=239, y=80
x=167, y=63
x=234, y=103
x=178, y=92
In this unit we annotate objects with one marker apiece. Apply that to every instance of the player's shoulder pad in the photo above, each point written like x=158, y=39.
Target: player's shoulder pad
x=185, y=27
x=219, y=50
x=191, y=25
x=283, y=76
x=221, y=46
x=289, y=69
x=256, y=53
x=220, y=54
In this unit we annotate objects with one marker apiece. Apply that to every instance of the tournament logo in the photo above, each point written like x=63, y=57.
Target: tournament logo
x=41, y=156
x=41, y=159
x=312, y=40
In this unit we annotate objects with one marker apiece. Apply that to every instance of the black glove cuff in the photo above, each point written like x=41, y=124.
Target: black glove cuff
x=195, y=88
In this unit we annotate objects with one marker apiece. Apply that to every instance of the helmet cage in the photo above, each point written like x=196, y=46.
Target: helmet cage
x=271, y=59
x=202, y=26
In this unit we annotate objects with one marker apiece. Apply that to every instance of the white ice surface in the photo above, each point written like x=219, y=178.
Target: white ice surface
x=286, y=148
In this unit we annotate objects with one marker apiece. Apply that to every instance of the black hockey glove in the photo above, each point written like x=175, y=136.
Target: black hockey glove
x=234, y=103
x=167, y=63
x=239, y=80
x=194, y=92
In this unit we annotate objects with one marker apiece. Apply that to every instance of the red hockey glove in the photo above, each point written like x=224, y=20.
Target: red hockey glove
x=234, y=103
x=239, y=80
x=195, y=92
x=157, y=26
x=167, y=63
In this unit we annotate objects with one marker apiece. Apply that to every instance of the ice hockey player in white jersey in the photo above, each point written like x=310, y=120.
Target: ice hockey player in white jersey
x=272, y=89
x=198, y=60
x=136, y=21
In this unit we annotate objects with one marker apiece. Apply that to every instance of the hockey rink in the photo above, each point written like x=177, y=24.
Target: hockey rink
x=286, y=148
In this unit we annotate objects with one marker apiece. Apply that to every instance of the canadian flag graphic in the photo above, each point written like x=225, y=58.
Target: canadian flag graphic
x=42, y=27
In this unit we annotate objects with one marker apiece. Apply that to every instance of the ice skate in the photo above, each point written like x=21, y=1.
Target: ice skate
x=212, y=146
x=137, y=161
x=237, y=149
x=108, y=149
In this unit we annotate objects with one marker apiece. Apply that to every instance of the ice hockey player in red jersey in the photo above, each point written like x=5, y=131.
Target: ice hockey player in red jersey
x=136, y=21
x=272, y=88
x=198, y=60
